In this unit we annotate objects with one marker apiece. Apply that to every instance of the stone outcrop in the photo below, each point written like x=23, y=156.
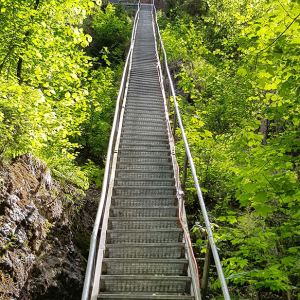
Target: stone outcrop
x=39, y=259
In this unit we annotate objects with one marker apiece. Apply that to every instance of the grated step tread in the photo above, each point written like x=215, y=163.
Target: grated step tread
x=145, y=250
x=144, y=297
x=144, y=266
x=144, y=283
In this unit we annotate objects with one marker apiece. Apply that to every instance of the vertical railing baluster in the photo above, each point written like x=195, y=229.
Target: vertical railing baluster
x=184, y=171
x=159, y=50
x=168, y=94
x=174, y=124
x=205, y=276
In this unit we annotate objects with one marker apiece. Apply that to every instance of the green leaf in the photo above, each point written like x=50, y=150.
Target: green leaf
x=261, y=197
x=242, y=72
x=262, y=210
x=289, y=260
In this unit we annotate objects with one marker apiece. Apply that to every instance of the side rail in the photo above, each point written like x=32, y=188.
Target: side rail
x=86, y=294
x=168, y=86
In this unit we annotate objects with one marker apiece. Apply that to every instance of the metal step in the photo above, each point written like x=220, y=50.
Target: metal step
x=140, y=79
x=144, y=105
x=147, y=87
x=144, y=73
x=152, y=67
x=133, y=107
x=144, y=118
x=143, y=122
x=130, y=174
x=144, y=114
x=170, y=235
x=147, y=96
x=139, y=117
x=148, y=137
x=138, y=296
x=139, y=93
x=138, y=137
x=145, y=266
x=149, y=201
x=140, y=182
x=141, y=147
x=145, y=166
x=162, y=133
x=144, y=211
x=144, y=141
x=136, y=129
x=143, y=223
x=145, y=56
x=144, y=153
x=144, y=191
x=149, y=250
x=144, y=283
x=138, y=65
x=147, y=121
x=134, y=122
x=144, y=101
x=161, y=124
x=143, y=159
x=148, y=74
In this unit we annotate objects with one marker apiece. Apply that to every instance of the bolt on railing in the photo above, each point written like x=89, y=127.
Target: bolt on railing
x=189, y=160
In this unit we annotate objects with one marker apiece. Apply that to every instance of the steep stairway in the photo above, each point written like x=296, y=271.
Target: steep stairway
x=144, y=255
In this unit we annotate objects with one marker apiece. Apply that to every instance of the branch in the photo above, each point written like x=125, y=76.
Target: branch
x=279, y=35
x=284, y=9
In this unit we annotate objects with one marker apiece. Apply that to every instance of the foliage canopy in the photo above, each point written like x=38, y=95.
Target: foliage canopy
x=239, y=86
x=55, y=101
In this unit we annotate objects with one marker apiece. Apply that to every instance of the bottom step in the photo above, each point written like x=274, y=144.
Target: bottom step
x=144, y=297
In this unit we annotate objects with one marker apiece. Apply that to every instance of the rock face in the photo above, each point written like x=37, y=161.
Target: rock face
x=38, y=256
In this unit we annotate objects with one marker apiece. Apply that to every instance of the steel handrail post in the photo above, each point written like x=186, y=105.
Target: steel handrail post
x=193, y=169
x=205, y=275
x=91, y=258
x=184, y=171
x=174, y=124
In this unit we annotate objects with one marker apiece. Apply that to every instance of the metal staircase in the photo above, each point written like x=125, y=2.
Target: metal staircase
x=145, y=252
x=142, y=250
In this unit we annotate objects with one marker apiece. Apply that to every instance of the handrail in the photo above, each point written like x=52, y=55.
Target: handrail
x=193, y=169
x=94, y=237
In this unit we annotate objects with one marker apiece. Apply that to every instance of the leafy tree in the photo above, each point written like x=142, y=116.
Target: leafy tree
x=111, y=32
x=240, y=76
x=51, y=102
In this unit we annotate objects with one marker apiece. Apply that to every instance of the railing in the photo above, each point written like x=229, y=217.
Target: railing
x=99, y=217
x=188, y=159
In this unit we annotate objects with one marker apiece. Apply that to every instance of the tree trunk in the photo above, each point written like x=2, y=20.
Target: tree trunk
x=263, y=129
x=20, y=62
